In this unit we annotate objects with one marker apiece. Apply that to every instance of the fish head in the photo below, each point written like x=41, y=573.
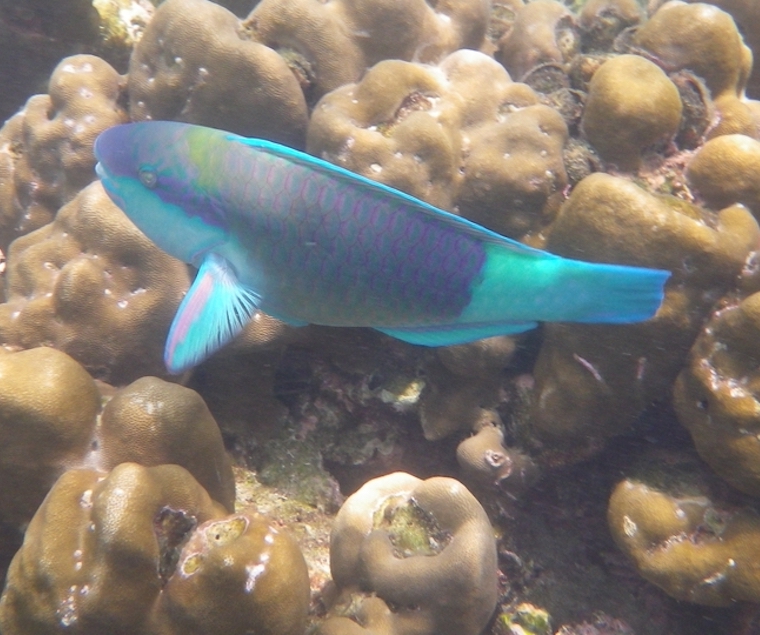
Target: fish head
x=150, y=170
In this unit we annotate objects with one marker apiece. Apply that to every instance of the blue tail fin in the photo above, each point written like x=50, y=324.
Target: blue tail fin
x=614, y=294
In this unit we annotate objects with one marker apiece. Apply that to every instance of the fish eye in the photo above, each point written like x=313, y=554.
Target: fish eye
x=147, y=177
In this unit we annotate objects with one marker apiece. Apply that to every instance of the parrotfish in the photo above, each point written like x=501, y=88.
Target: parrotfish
x=276, y=230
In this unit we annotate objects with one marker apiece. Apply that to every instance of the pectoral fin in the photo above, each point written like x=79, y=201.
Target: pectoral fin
x=214, y=311
x=449, y=335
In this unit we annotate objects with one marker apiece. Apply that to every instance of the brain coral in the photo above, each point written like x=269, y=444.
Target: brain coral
x=144, y=550
x=460, y=135
x=425, y=546
x=193, y=65
x=92, y=285
x=46, y=149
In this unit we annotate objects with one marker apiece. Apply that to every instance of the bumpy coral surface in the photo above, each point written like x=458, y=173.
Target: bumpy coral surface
x=692, y=547
x=146, y=551
x=329, y=44
x=461, y=135
x=192, y=65
x=93, y=286
x=704, y=40
x=48, y=406
x=631, y=105
x=724, y=172
x=52, y=419
x=716, y=395
x=425, y=546
x=543, y=31
x=46, y=149
x=593, y=381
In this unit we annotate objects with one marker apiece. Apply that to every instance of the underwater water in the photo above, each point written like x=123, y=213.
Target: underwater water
x=420, y=318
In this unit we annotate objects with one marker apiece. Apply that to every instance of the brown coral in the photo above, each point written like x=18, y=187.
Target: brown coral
x=701, y=38
x=193, y=65
x=46, y=149
x=146, y=551
x=543, y=31
x=724, y=172
x=592, y=381
x=425, y=546
x=461, y=136
x=716, y=395
x=93, y=286
x=51, y=420
x=331, y=44
x=463, y=381
x=704, y=40
x=48, y=405
x=631, y=105
x=692, y=547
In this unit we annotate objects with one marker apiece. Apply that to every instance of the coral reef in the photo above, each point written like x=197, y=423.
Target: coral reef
x=426, y=97
x=716, y=394
x=34, y=37
x=93, y=286
x=723, y=172
x=425, y=546
x=692, y=546
x=331, y=44
x=53, y=418
x=704, y=40
x=145, y=550
x=631, y=105
x=192, y=59
x=48, y=408
x=46, y=149
x=543, y=31
x=496, y=159
x=593, y=381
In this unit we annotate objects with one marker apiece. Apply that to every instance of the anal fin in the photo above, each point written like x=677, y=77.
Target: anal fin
x=216, y=308
x=449, y=335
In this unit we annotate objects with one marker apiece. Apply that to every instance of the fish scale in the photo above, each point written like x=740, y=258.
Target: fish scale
x=280, y=231
x=369, y=259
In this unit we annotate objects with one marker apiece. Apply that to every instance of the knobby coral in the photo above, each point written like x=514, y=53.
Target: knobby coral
x=46, y=149
x=144, y=550
x=425, y=546
x=92, y=285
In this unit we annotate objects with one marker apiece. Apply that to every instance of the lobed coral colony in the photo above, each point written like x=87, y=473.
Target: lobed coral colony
x=578, y=478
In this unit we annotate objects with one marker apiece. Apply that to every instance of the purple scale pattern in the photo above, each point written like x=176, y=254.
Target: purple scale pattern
x=336, y=252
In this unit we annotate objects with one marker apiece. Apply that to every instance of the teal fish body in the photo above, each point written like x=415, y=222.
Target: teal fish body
x=275, y=230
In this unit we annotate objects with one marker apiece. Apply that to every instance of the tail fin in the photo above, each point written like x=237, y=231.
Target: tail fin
x=614, y=294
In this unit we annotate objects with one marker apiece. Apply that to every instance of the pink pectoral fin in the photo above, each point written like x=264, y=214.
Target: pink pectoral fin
x=214, y=311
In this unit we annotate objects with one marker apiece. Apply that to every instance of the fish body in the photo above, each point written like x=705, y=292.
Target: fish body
x=280, y=231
